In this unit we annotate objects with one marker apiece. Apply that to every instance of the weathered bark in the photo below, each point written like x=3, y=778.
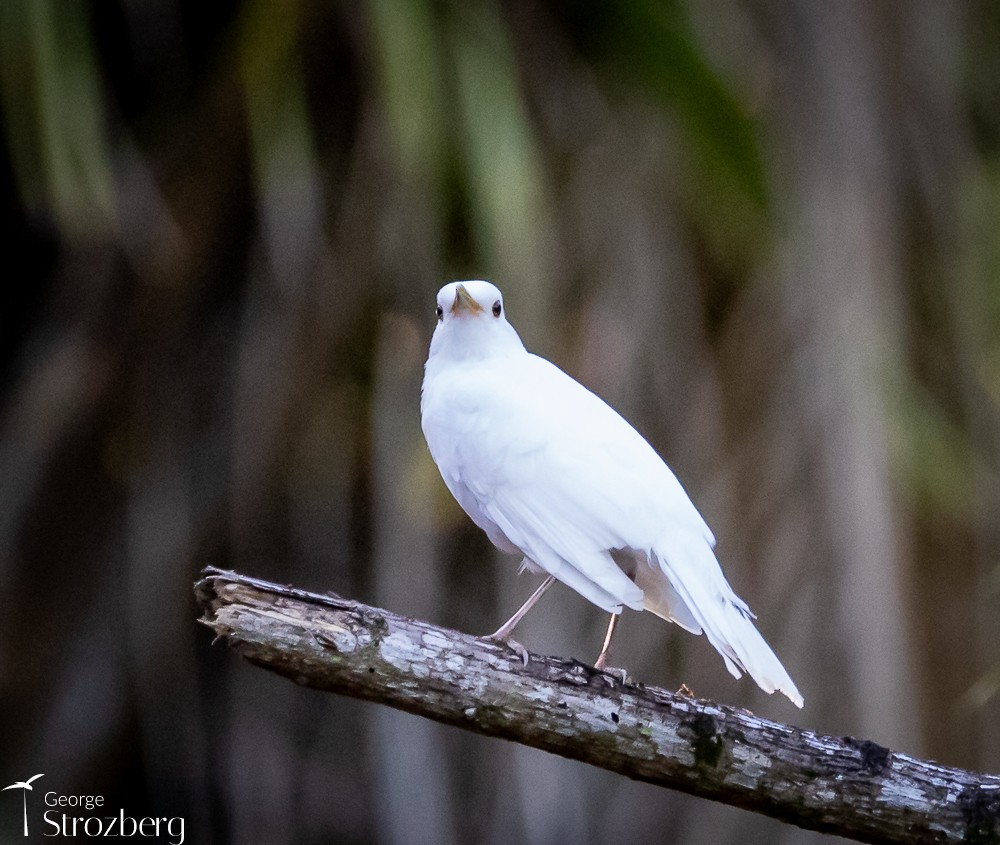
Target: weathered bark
x=854, y=788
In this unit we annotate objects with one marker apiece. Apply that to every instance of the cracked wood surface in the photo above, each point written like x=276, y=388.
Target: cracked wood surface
x=854, y=788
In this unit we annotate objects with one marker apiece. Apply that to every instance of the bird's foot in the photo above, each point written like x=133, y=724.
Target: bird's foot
x=512, y=644
x=614, y=671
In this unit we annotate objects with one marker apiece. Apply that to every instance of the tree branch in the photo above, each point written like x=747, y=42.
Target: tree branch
x=854, y=788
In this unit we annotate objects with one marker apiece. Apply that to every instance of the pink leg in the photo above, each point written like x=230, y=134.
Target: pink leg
x=504, y=631
x=602, y=658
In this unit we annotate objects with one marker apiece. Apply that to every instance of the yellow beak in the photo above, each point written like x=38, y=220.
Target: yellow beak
x=463, y=299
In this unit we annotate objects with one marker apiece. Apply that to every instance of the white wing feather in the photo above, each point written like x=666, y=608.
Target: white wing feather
x=563, y=501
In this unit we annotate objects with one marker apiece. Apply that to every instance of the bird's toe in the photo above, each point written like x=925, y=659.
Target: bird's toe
x=614, y=671
x=512, y=644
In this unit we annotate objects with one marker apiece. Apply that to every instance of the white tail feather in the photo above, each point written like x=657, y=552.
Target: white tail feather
x=696, y=578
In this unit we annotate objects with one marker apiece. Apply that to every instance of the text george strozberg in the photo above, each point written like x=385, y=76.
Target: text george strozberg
x=119, y=825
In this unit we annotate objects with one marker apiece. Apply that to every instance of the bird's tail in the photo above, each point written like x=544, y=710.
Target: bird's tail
x=696, y=580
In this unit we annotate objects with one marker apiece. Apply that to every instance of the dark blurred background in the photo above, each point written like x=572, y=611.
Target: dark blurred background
x=767, y=232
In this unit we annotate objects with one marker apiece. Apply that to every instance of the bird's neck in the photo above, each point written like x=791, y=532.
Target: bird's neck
x=470, y=343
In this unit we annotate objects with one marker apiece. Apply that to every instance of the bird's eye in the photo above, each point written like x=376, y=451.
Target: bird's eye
x=440, y=312
x=497, y=308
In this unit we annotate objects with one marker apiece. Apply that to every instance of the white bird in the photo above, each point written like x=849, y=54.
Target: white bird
x=551, y=472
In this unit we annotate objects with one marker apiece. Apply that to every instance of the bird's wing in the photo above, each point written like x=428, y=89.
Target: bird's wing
x=560, y=473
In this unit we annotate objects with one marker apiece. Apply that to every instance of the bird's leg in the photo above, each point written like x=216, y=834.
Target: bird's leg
x=502, y=634
x=602, y=658
x=504, y=631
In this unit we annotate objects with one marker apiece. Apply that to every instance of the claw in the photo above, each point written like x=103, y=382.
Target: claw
x=512, y=644
x=613, y=671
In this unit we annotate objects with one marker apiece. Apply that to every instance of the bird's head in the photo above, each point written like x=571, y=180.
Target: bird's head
x=472, y=322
